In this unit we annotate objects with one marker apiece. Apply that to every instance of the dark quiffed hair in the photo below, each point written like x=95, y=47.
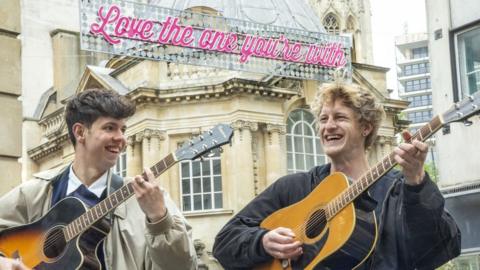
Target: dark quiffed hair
x=86, y=107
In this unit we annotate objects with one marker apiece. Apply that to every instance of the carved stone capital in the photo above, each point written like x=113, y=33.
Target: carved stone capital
x=241, y=124
x=149, y=133
x=278, y=128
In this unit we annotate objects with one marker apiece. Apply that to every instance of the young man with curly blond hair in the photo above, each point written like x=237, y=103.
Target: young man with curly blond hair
x=414, y=231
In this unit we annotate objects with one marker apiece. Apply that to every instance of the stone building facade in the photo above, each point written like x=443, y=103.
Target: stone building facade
x=10, y=91
x=273, y=129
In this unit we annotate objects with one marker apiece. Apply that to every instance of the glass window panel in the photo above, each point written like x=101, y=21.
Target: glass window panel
x=308, y=117
x=298, y=129
x=197, y=185
x=309, y=148
x=320, y=160
x=216, y=166
x=310, y=159
x=298, y=141
x=207, y=187
x=207, y=201
x=185, y=169
x=299, y=162
x=296, y=115
x=307, y=130
x=218, y=200
x=289, y=160
x=289, y=143
x=186, y=186
x=206, y=167
x=318, y=146
x=195, y=168
x=187, y=205
x=217, y=183
x=197, y=202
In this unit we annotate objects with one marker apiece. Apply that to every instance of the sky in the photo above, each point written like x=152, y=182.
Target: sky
x=391, y=18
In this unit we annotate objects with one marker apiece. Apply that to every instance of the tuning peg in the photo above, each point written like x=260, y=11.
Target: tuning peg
x=220, y=149
x=190, y=142
x=201, y=137
x=201, y=158
x=210, y=132
x=467, y=122
x=211, y=154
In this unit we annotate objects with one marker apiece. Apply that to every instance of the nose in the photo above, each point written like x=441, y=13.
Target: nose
x=330, y=124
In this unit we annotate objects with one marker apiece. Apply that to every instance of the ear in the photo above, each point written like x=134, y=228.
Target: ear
x=367, y=129
x=79, y=130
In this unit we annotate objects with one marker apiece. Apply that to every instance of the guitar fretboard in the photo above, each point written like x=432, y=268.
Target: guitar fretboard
x=377, y=171
x=98, y=211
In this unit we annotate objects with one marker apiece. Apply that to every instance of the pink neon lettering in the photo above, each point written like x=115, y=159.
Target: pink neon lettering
x=95, y=28
x=247, y=48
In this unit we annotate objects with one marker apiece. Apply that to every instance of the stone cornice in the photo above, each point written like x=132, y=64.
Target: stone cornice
x=53, y=145
x=195, y=93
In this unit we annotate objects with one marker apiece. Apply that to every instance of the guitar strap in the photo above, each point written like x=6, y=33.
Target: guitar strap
x=115, y=182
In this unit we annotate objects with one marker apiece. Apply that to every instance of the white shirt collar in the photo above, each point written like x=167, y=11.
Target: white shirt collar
x=96, y=188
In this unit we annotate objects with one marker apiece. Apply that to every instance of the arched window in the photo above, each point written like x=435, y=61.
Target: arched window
x=330, y=23
x=303, y=145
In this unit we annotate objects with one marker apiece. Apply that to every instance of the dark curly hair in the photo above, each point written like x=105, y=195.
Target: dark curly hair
x=86, y=107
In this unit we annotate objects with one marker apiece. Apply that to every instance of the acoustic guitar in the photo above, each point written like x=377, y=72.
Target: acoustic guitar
x=57, y=240
x=336, y=234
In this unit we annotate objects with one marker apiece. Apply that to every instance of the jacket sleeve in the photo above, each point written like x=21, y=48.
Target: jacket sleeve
x=169, y=241
x=14, y=210
x=432, y=236
x=239, y=243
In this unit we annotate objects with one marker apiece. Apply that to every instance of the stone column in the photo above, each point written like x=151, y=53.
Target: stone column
x=241, y=164
x=275, y=154
x=134, y=154
x=151, y=147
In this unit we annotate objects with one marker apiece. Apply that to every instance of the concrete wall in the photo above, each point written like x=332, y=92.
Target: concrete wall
x=10, y=90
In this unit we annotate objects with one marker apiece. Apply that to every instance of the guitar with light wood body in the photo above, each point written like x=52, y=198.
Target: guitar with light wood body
x=336, y=234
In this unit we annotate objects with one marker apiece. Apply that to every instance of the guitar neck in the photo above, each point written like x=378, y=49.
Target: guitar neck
x=377, y=171
x=104, y=207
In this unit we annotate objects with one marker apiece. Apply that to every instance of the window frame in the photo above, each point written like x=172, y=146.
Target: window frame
x=453, y=34
x=290, y=141
x=202, y=193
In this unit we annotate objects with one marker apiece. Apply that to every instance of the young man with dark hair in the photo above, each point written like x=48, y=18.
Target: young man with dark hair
x=414, y=231
x=146, y=233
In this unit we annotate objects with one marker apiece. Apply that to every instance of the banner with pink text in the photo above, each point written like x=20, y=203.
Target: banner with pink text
x=185, y=37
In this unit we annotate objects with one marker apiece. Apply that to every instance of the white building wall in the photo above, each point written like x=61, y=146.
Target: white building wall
x=459, y=151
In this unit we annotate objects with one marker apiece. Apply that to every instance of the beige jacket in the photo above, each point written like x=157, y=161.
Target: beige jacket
x=132, y=244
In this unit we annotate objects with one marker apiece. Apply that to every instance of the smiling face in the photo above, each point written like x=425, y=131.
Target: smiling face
x=101, y=143
x=340, y=131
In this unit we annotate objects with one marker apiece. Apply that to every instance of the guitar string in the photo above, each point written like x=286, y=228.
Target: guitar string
x=59, y=234
x=305, y=226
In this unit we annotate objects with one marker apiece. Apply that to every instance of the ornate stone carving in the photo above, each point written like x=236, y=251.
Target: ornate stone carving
x=241, y=124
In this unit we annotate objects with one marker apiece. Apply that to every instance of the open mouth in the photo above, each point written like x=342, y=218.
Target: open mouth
x=113, y=149
x=332, y=138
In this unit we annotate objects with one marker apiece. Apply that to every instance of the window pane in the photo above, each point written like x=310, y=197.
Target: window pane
x=187, y=206
x=289, y=143
x=216, y=166
x=206, y=167
x=206, y=184
x=309, y=145
x=207, y=201
x=298, y=144
x=197, y=185
x=195, y=168
x=299, y=163
x=310, y=161
x=186, y=186
x=217, y=183
x=289, y=160
x=197, y=202
x=218, y=200
x=307, y=130
x=185, y=169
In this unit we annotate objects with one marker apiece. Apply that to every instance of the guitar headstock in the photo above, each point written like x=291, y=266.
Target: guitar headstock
x=463, y=110
x=217, y=136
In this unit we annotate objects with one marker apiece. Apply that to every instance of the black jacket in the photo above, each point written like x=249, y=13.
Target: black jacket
x=414, y=230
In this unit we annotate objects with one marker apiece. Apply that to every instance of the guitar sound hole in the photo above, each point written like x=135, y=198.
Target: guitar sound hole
x=55, y=243
x=315, y=224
